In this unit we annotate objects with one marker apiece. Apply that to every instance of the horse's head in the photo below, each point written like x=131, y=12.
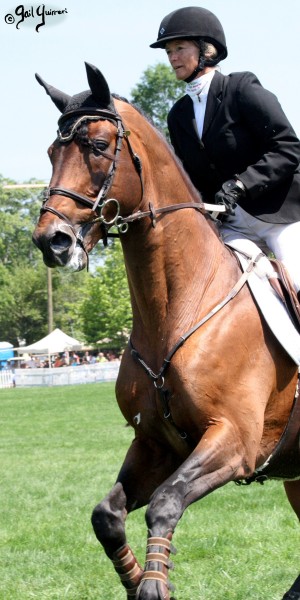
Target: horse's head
x=76, y=212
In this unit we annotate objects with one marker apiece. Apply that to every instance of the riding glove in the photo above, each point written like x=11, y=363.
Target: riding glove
x=229, y=194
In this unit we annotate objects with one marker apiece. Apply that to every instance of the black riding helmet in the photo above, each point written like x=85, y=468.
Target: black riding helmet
x=197, y=24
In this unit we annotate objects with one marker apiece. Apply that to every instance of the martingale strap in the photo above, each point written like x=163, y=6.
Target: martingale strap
x=158, y=378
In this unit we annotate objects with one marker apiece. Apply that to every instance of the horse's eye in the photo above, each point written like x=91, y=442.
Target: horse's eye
x=100, y=145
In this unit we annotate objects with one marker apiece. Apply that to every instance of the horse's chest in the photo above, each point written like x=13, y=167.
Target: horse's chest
x=148, y=410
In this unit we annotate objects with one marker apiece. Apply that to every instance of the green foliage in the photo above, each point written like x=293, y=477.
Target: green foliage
x=19, y=209
x=157, y=92
x=69, y=292
x=23, y=275
x=23, y=304
x=106, y=311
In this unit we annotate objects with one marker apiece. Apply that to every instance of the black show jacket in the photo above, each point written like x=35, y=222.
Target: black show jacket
x=245, y=133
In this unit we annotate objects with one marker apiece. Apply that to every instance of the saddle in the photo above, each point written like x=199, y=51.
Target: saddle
x=284, y=288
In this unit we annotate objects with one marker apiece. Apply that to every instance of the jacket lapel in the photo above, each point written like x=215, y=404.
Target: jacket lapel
x=187, y=120
x=214, y=99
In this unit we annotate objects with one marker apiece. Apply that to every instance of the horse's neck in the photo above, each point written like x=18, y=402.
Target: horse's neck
x=170, y=267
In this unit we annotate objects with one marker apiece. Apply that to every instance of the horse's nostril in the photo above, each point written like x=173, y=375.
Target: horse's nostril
x=60, y=242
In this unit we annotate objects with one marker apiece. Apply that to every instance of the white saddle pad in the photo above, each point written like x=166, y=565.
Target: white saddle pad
x=272, y=308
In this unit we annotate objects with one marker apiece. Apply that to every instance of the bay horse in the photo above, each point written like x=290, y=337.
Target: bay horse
x=205, y=385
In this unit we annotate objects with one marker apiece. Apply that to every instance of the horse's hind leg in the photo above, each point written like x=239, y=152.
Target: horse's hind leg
x=292, y=489
x=145, y=467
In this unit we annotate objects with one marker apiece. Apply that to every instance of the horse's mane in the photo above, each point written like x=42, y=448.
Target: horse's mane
x=169, y=148
x=173, y=156
x=141, y=111
x=162, y=136
x=166, y=142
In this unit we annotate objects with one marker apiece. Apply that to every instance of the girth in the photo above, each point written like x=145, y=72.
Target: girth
x=284, y=462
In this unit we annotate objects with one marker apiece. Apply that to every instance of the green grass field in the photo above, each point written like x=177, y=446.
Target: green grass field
x=61, y=449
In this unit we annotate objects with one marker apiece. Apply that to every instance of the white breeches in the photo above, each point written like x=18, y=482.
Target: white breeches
x=282, y=240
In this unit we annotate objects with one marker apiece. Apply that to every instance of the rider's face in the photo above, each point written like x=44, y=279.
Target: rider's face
x=183, y=56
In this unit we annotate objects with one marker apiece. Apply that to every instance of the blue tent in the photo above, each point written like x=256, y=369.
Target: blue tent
x=6, y=351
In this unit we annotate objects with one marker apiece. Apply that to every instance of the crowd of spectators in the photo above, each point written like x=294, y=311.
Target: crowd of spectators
x=65, y=359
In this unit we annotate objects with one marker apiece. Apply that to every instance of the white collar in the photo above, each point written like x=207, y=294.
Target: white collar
x=200, y=85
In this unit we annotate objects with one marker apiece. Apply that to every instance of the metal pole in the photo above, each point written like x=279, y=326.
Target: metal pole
x=50, y=300
x=20, y=186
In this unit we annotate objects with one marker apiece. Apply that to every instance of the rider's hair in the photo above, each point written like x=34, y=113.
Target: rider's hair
x=208, y=50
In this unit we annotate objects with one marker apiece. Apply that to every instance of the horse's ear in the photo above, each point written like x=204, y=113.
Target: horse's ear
x=98, y=85
x=59, y=98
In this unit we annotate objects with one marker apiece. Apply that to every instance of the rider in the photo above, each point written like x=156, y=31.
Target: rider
x=233, y=139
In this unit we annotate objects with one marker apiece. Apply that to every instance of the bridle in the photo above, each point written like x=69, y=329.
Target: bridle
x=99, y=204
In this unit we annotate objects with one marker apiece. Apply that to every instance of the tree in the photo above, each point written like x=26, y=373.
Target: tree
x=23, y=303
x=106, y=311
x=23, y=275
x=21, y=306
x=19, y=210
x=157, y=92
x=70, y=290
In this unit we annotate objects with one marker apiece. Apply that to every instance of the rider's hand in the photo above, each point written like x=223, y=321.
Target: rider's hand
x=229, y=195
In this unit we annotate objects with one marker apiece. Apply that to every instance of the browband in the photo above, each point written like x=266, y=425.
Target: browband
x=96, y=112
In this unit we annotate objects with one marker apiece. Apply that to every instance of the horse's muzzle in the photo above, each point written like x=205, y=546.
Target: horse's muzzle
x=57, y=247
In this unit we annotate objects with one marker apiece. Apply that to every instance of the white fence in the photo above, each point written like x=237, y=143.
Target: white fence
x=98, y=372
x=6, y=379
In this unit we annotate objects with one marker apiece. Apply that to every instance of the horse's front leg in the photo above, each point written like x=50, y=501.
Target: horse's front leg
x=145, y=467
x=108, y=520
x=218, y=459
